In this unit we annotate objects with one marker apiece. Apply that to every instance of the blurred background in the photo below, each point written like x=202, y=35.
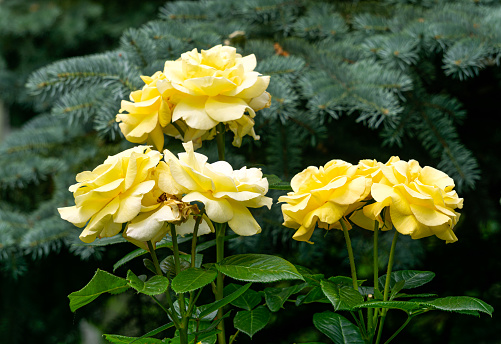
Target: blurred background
x=350, y=80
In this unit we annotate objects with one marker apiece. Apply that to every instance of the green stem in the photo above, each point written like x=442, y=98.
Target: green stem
x=220, y=232
x=376, y=256
x=350, y=253
x=194, y=241
x=161, y=306
x=376, y=273
x=183, y=330
x=399, y=329
x=387, y=285
x=153, y=254
x=220, y=140
x=178, y=128
x=234, y=337
x=352, y=267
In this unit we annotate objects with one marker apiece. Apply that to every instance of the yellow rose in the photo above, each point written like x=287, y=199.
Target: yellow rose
x=323, y=196
x=419, y=202
x=161, y=206
x=148, y=113
x=226, y=194
x=111, y=194
x=215, y=86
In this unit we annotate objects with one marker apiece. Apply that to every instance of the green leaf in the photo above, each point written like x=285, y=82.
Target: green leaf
x=314, y=295
x=192, y=279
x=148, y=264
x=408, y=307
x=250, y=322
x=247, y=300
x=202, y=337
x=211, y=307
x=276, y=297
x=168, y=266
x=258, y=268
x=128, y=257
x=154, y=286
x=339, y=329
x=412, y=278
x=116, y=239
x=208, y=244
x=461, y=304
x=102, y=282
x=410, y=296
x=116, y=339
x=275, y=183
x=343, y=280
x=396, y=288
x=341, y=296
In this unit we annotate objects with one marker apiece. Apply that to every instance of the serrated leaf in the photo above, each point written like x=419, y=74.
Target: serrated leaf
x=211, y=307
x=344, y=280
x=128, y=257
x=154, y=286
x=341, y=296
x=314, y=295
x=461, y=304
x=168, y=266
x=258, y=268
x=148, y=264
x=192, y=279
x=116, y=239
x=276, y=297
x=247, y=300
x=409, y=296
x=250, y=322
x=102, y=282
x=339, y=329
x=396, y=288
x=409, y=307
x=412, y=278
x=191, y=338
x=116, y=339
x=313, y=279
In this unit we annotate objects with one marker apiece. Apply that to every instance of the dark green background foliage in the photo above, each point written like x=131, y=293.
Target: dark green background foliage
x=350, y=80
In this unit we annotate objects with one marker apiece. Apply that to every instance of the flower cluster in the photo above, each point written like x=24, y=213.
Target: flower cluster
x=150, y=195
x=193, y=95
x=417, y=201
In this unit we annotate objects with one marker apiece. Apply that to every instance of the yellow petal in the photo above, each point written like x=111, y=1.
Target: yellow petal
x=209, y=85
x=428, y=216
x=431, y=176
x=224, y=109
x=192, y=111
x=304, y=234
x=98, y=221
x=242, y=222
x=218, y=210
x=256, y=89
x=260, y=102
x=188, y=227
x=130, y=201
